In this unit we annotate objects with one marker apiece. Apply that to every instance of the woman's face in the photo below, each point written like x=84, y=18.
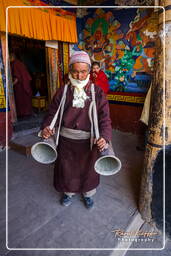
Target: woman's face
x=96, y=68
x=80, y=71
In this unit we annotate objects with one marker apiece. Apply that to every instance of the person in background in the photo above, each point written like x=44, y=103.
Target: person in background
x=99, y=78
x=22, y=87
x=74, y=168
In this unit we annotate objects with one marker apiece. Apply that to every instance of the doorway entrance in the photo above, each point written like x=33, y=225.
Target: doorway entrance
x=32, y=54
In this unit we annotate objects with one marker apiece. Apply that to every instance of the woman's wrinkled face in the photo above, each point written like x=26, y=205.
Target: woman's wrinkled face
x=96, y=68
x=79, y=71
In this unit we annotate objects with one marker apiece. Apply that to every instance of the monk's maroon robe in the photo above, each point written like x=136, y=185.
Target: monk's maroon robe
x=22, y=89
x=74, y=167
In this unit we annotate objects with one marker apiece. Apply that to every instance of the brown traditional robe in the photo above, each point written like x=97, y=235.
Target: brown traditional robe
x=74, y=167
x=22, y=89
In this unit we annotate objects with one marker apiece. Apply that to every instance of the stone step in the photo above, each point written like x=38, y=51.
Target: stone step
x=23, y=144
x=29, y=122
x=25, y=132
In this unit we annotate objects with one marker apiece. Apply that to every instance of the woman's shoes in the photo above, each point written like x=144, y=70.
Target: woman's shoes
x=66, y=200
x=88, y=202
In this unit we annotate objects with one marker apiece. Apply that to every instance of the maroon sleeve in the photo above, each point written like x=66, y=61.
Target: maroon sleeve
x=15, y=70
x=105, y=124
x=53, y=108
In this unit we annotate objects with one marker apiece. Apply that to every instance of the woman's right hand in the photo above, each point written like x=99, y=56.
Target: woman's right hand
x=94, y=75
x=47, y=132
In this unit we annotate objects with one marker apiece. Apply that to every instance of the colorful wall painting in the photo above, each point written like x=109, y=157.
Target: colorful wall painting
x=11, y=99
x=123, y=41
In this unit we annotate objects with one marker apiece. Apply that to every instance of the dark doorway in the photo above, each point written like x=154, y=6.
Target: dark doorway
x=32, y=53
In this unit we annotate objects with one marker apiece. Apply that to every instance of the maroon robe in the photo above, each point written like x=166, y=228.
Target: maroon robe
x=22, y=89
x=74, y=167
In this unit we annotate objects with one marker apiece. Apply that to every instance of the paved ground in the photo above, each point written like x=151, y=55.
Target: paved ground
x=37, y=220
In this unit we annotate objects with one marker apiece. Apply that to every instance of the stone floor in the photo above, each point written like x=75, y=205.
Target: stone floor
x=37, y=220
x=28, y=122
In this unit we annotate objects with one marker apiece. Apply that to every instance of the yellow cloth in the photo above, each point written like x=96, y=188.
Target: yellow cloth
x=37, y=23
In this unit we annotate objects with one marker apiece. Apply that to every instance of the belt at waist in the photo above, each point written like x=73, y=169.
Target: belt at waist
x=74, y=134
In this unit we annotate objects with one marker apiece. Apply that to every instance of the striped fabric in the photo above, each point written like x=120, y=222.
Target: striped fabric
x=80, y=56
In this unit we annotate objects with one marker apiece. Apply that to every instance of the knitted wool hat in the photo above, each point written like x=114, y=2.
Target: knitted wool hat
x=80, y=56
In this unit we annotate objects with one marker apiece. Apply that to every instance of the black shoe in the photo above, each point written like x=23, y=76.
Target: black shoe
x=66, y=200
x=88, y=202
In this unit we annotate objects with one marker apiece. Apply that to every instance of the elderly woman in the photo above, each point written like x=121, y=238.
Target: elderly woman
x=74, y=168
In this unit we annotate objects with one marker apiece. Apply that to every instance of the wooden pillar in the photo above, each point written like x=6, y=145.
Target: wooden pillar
x=157, y=127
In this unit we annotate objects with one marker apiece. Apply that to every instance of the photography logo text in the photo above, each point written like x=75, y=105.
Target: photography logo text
x=134, y=236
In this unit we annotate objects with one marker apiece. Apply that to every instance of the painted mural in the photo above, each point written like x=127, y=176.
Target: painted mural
x=123, y=41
